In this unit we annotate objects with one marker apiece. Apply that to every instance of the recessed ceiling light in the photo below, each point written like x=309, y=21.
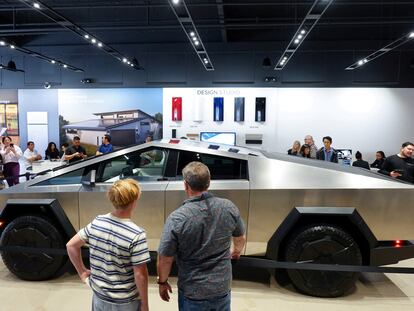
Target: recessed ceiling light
x=196, y=42
x=36, y=5
x=361, y=62
x=100, y=44
x=296, y=41
x=300, y=36
x=132, y=65
x=65, y=66
x=365, y=61
x=194, y=39
x=93, y=40
x=53, y=61
x=303, y=31
x=411, y=35
x=124, y=60
x=12, y=46
x=192, y=34
x=86, y=36
x=176, y=1
x=2, y=43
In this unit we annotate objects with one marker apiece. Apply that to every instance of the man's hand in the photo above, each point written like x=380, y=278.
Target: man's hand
x=165, y=290
x=395, y=174
x=84, y=275
x=235, y=254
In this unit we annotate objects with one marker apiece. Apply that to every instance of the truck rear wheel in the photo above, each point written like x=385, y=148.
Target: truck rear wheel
x=323, y=244
x=37, y=232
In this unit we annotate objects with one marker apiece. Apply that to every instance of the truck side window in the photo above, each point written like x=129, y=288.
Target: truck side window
x=70, y=178
x=143, y=165
x=220, y=167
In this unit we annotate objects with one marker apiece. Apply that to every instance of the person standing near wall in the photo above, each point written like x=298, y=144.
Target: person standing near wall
x=10, y=154
x=359, y=162
x=118, y=254
x=313, y=149
x=327, y=153
x=198, y=235
x=400, y=165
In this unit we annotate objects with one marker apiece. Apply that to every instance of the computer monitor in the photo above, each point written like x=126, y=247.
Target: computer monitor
x=225, y=138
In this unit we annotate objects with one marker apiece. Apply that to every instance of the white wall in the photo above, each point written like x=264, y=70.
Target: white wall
x=364, y=119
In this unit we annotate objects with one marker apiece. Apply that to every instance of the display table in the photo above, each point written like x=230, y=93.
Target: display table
x=43, y=165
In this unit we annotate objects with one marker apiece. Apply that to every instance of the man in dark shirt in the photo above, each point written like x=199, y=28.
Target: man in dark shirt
x=400, y=165
x=76, y=152
x=199, y=234
x=327, y=153
x=359, y=162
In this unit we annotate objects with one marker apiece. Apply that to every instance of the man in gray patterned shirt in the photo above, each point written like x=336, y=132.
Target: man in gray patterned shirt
x=199, y=235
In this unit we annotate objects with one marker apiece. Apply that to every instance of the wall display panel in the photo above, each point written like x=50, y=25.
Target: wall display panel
x=130, y=116
x=260, y=112
x=198, y=109
x=218, y=109
x=293, y=113
x=9, y=118
x=239, y=109
x=177, y=106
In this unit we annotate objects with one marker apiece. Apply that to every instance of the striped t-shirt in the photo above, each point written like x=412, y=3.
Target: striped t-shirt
x=116, y=245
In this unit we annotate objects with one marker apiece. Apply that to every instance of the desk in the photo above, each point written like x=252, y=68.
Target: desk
x=43, y=165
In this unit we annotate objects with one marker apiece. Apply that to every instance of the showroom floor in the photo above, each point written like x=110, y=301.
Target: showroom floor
x=373, y=292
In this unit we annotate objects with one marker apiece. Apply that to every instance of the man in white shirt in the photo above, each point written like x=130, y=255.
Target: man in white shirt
x=30, y=154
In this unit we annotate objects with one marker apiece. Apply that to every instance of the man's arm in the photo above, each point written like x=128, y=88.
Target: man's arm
x=141, y=281
x=74, y=251
x=164, y=265
x=238, y=245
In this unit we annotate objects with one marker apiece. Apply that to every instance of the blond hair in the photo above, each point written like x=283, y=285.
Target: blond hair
x=123, y=193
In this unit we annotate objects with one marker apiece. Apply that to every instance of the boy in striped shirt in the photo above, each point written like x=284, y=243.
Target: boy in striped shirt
x=118, y=254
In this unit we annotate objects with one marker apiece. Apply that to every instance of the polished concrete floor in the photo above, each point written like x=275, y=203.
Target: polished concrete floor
x=249, y=292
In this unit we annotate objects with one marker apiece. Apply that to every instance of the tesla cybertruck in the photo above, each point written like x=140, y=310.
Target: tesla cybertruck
x=295, y=209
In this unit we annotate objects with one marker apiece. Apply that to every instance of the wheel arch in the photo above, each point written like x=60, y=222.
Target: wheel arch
x=49, y=208
x=347, y=218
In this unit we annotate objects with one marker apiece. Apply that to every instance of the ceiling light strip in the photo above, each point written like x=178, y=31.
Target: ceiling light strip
x=78, y=30
x=311, y=19
x=400, y=41
x=180, y=10
x=48, y=59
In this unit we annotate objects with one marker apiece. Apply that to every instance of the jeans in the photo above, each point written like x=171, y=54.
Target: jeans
x=221, y=303
x=100, y=305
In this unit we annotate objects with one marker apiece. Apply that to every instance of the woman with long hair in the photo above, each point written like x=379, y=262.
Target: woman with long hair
x=295, y=148
x=305, y=151
x=52, y=153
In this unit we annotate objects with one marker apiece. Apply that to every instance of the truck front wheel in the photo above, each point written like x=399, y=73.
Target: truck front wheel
x=323, y=244
x=36, y=232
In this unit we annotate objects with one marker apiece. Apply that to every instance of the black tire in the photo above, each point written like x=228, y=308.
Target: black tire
x=32, y=231
x=324, y=244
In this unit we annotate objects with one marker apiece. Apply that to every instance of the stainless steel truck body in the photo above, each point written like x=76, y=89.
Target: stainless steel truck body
x=295, y=209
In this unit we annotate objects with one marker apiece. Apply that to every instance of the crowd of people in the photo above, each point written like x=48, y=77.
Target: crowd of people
x=203, y=235
x=11, y=154
x=400, y=165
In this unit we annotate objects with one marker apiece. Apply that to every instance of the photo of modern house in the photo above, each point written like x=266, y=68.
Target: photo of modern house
x=126, y=127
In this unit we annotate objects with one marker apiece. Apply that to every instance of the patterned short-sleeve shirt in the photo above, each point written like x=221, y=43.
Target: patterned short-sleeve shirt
x=199, y=235
x=116, y=245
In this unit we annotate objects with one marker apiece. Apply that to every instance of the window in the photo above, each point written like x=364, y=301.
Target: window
x=220, y=167
x=141, y=165
x=71, y=178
